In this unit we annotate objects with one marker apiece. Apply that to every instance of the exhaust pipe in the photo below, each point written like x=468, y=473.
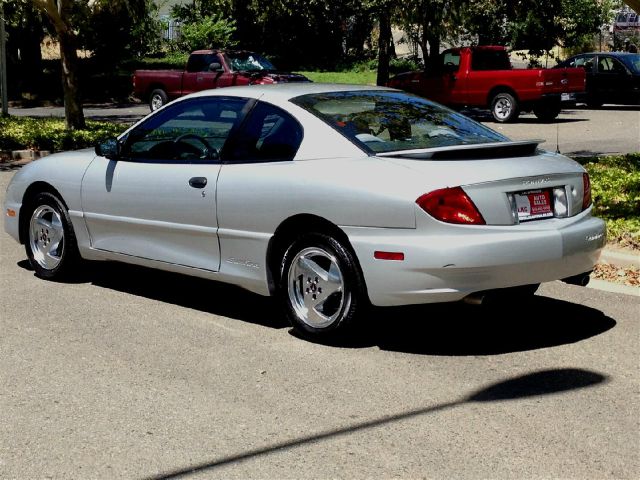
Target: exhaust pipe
x=474, y=299
x=581, y=280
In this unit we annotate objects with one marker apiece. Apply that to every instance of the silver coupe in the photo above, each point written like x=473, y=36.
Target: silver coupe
x=331, y=197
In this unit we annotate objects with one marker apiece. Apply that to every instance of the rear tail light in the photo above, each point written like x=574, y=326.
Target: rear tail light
x=586, y=198
x=451, y=205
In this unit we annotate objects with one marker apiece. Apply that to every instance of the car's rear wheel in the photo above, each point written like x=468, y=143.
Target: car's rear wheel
x=321, y=286
x=504, y=107
x=547, y=111
x=157, y=99
x=51, y=242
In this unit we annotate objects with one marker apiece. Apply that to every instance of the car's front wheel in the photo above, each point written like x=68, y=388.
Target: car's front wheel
x=321, y=286
x=51, y=242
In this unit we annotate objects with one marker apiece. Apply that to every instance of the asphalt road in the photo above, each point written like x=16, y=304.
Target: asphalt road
x=577, y=131
x=131, y=373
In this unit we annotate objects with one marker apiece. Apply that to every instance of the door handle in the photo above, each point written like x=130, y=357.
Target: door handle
x=198, y=182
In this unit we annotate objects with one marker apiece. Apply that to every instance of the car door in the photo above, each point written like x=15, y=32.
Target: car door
x=250, y=195
x=198, y=75
x=612, y=80
x=157, y=200
x=441, y=83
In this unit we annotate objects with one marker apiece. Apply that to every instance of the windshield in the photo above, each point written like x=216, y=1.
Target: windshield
x=387, y=121
x=248, y=62
x=632, y=62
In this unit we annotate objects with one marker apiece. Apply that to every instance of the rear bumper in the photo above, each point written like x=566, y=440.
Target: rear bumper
x=448, y=267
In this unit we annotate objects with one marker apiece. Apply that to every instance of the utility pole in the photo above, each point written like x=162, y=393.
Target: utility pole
x=3, y=65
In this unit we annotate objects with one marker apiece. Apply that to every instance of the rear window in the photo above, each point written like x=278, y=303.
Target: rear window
x=490, y=60
x=388, y=121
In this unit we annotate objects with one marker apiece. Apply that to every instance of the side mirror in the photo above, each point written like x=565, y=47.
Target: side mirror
x=215, y=67
x=109, y=149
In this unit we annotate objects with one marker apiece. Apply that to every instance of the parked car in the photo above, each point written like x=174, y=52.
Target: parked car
x=483, y=77
x=612, y=77
x=206, y=69
x=331, y=197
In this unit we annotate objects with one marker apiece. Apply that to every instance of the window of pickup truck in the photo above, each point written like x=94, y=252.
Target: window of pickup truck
x=199, y=62
x=451, y=60
x=490, y=60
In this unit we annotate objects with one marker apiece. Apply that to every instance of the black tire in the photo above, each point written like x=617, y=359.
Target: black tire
x=504, y=107
x=157, y=99
x=546, y=111
x=594, y=102
x=339, y=312
x=50, y=241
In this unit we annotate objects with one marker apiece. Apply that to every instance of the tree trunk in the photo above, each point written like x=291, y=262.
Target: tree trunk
x=73, y=114
x=383, y=48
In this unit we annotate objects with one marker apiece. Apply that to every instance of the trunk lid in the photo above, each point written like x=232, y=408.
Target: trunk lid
x=499, y=187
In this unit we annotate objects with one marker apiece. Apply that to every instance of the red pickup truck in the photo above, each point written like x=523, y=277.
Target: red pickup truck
x=208, y=69
x=483, y=77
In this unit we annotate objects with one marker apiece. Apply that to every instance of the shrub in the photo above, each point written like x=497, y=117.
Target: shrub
x=19, y=133
x=615, y=186
x=208, y=32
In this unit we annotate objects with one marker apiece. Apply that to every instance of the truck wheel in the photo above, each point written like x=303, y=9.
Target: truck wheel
x=504, y=107
x=157, y=99
x=547, y=111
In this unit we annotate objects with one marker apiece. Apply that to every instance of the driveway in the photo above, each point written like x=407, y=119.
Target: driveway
x=131, y=373
x=578, y=131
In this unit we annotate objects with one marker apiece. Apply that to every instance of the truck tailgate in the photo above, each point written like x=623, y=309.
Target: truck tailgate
x=563, y=80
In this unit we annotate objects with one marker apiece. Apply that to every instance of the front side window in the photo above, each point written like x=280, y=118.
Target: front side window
x=451, y=60
x=610, y=65
x=387, y=121
x=632, y=61
x=194, y=130
x=584, y=62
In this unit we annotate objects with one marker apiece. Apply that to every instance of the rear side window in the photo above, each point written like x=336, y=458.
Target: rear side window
x=199, y=62
x=490, y=60
x=268, y=134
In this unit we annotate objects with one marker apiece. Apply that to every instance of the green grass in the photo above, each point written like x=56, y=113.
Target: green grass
x=367, y=77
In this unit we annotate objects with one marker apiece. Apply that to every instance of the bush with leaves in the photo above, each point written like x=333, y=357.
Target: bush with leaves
x=208, y=32
x=615, y=187
x=19, y=133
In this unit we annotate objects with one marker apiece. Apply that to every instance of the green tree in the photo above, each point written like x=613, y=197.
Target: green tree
x=536, y=25
x=429, y=22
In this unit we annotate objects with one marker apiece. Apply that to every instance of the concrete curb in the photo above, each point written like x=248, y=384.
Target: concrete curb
x=620, y=258
x=614, y=287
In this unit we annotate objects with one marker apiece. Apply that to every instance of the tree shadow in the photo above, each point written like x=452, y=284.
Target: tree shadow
x=451, y=329
x=535, y=384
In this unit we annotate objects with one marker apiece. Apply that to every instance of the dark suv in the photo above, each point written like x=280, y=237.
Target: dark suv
x=612, y=77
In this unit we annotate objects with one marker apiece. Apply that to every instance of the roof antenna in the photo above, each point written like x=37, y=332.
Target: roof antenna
x=557, y=137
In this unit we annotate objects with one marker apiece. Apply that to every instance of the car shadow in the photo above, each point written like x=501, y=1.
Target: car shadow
x=458, y=329
x=451, y=329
